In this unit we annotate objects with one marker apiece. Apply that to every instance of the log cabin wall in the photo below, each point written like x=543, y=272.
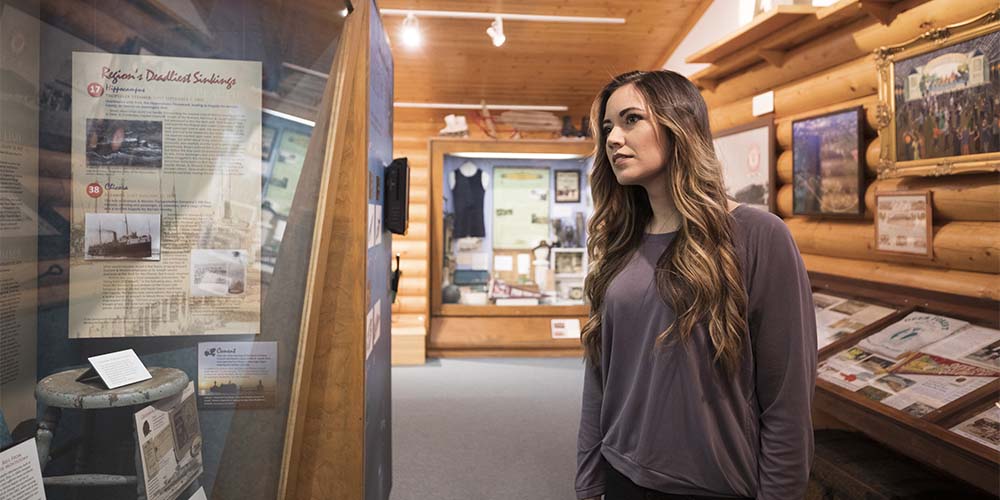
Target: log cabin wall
x=836, y=70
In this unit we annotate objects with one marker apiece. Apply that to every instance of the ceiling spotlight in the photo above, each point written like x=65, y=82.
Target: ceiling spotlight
x=495, y=31
x=411, y=31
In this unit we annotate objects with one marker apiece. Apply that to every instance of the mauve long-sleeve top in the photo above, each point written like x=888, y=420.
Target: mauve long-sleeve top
x=668, y=419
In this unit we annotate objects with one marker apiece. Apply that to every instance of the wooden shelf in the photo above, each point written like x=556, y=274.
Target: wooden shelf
x=761, y=28
x=772, y=36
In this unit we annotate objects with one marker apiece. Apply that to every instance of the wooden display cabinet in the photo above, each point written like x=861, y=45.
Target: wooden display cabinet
x=927, y=439
x=490, y=330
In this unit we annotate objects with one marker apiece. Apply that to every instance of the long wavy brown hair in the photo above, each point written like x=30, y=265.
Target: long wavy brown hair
x=698, y=274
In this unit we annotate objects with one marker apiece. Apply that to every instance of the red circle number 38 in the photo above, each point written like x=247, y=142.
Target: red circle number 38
x=94, y=190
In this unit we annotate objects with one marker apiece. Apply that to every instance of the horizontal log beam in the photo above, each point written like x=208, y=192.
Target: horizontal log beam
x=853, y=80
x=973, y=197
x=965, y=283
x=963, y=246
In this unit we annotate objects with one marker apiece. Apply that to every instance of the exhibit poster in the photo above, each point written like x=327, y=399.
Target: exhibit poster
x=237, y=374
x=19, y=220
x=520, y=207
x=166, y=162
x=169, y=438
x=903, y=223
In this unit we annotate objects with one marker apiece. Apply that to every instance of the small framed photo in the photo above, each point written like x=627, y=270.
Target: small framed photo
x=903, y=223
x=827, y=173
x=567, y=186
x=568, y=262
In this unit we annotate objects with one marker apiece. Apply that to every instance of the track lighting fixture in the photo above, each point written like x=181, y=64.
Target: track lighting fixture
x=495, y=31
x=410, y=32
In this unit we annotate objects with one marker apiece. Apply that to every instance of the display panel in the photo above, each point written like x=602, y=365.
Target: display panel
x=154, y=198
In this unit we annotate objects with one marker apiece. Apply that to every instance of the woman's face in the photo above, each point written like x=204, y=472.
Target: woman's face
x=635, y=144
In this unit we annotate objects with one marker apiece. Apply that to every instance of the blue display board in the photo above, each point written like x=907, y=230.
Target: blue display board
x=378, y=397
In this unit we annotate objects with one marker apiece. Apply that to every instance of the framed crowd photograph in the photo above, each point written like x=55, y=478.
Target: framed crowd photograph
x=939, y=101
x=567, y=186
x=747, y=157
x=827, y=175
x=903, y=223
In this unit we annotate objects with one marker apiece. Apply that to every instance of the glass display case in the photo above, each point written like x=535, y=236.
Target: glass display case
x=162, y=202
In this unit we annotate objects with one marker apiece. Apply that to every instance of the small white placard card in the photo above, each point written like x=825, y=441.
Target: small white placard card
x=20, y=474
x=565, y=328
x=116, y=369
x=763, y=103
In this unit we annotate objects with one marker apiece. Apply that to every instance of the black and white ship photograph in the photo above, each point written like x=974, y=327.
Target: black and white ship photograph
x=124, y=143
x=122, y=237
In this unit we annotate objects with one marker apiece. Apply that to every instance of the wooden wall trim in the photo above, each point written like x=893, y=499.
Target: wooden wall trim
x=499, y=333
x=324, y=450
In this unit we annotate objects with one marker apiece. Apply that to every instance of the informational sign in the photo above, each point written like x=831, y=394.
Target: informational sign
x=20, y=473
x=117, y=369
x=19, y=221
x=166, y=161
x=566, y=328
x=520, y=207
x=237, y=374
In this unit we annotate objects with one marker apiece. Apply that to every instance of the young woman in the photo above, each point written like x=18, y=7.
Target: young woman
x=701, y=342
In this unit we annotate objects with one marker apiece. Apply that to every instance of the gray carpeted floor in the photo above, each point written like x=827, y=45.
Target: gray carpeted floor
x=470, y=429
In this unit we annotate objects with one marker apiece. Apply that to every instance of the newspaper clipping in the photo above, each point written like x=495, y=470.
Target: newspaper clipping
x=983, y=428
x=170, y=445
x=837, y=317
x=165, y=230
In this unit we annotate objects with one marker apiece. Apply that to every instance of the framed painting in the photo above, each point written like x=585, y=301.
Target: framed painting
x=939, y=101
x=747, y=157
x=903, y=224
x=827, y=175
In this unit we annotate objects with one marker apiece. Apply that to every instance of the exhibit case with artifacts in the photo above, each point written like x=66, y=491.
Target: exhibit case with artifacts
x=180, y=204
x=509, y=245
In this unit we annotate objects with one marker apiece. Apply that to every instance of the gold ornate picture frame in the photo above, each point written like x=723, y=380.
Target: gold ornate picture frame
x=922, y=128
